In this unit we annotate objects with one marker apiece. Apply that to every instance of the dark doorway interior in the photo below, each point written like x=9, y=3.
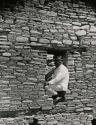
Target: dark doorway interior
x=94, y=122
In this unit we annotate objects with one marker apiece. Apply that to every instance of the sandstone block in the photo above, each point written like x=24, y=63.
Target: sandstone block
x=3, y=58
x=92, y=29
x=88, y=109
x=25, y=28
x=81, y=33
x=56, y=42
x=93, y=42
x=51, y=13
x=76, y=27
x=5, y=43
x=76, y=23
x=85, y=27
x=73, y=37
x=9, y=21
x=6, y=54
x=44, y=40
x=21, y=39
x=68, y=42
x=53, y=30
x=76, y=43
x=35, y=32
x=33, y=43
x=47, y=21
x=34, y=39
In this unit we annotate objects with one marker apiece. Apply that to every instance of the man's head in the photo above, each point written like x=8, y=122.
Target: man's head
x=58, y=60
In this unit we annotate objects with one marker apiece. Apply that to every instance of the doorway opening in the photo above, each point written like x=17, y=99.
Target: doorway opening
x=93, y=122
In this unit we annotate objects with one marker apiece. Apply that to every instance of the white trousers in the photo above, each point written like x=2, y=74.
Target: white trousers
x=50, y=90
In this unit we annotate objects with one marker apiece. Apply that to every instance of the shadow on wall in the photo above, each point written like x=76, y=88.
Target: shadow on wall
x=94, y=122
x=11, y=4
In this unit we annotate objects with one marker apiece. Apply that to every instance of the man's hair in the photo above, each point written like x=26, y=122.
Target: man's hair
x=58, y=57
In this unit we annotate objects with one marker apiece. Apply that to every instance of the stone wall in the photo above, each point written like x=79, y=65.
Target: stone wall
x=26, y=35
x=22, y=78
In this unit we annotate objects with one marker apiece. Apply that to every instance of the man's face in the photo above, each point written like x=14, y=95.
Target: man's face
x=58, y=60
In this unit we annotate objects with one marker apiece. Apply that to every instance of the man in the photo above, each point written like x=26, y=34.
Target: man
x=57, y=80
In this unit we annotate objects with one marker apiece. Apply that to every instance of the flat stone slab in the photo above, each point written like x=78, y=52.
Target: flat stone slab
x=81, y=33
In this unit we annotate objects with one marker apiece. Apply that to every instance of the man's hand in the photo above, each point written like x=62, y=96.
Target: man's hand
x=47, y=83
x=48, y=76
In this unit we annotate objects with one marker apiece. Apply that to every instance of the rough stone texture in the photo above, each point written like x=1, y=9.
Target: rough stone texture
x=23, y=66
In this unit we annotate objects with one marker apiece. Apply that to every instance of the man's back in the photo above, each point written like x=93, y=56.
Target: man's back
x=61, y=77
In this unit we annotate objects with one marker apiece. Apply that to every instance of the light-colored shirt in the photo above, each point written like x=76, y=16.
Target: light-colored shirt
x=60, y=79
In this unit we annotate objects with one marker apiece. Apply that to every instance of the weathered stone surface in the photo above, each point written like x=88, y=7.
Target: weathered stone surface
x=3, y=58
x=35, y=32
x=76, y=27
x=43, y=11
x=44, y=41
x=47, y=21
x=5, y=43
x=53, y=30
x=25, y=28
x=56, y=42
x=21, y=39
x=6, y=54
x=85, y=27
x=81, y=33
x=88, y=109
x=73, y=37
x=92, y=29
x=34, y=39
x=51, y=13
x=76, y=43
x=68, y=42
x=76, y=23
x=93, y=42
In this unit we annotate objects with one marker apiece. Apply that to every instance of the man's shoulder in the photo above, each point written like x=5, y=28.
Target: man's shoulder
x=62, y=67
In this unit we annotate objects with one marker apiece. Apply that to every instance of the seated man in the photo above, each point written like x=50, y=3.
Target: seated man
x=57, y=80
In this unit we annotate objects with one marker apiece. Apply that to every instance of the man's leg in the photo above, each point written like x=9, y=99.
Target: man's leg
x=51, y=91
x=62, y=94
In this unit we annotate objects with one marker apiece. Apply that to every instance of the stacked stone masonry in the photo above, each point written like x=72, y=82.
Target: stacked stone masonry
x=23, y=67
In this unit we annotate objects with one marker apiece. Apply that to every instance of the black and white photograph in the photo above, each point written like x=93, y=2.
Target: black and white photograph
x=47, y=62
